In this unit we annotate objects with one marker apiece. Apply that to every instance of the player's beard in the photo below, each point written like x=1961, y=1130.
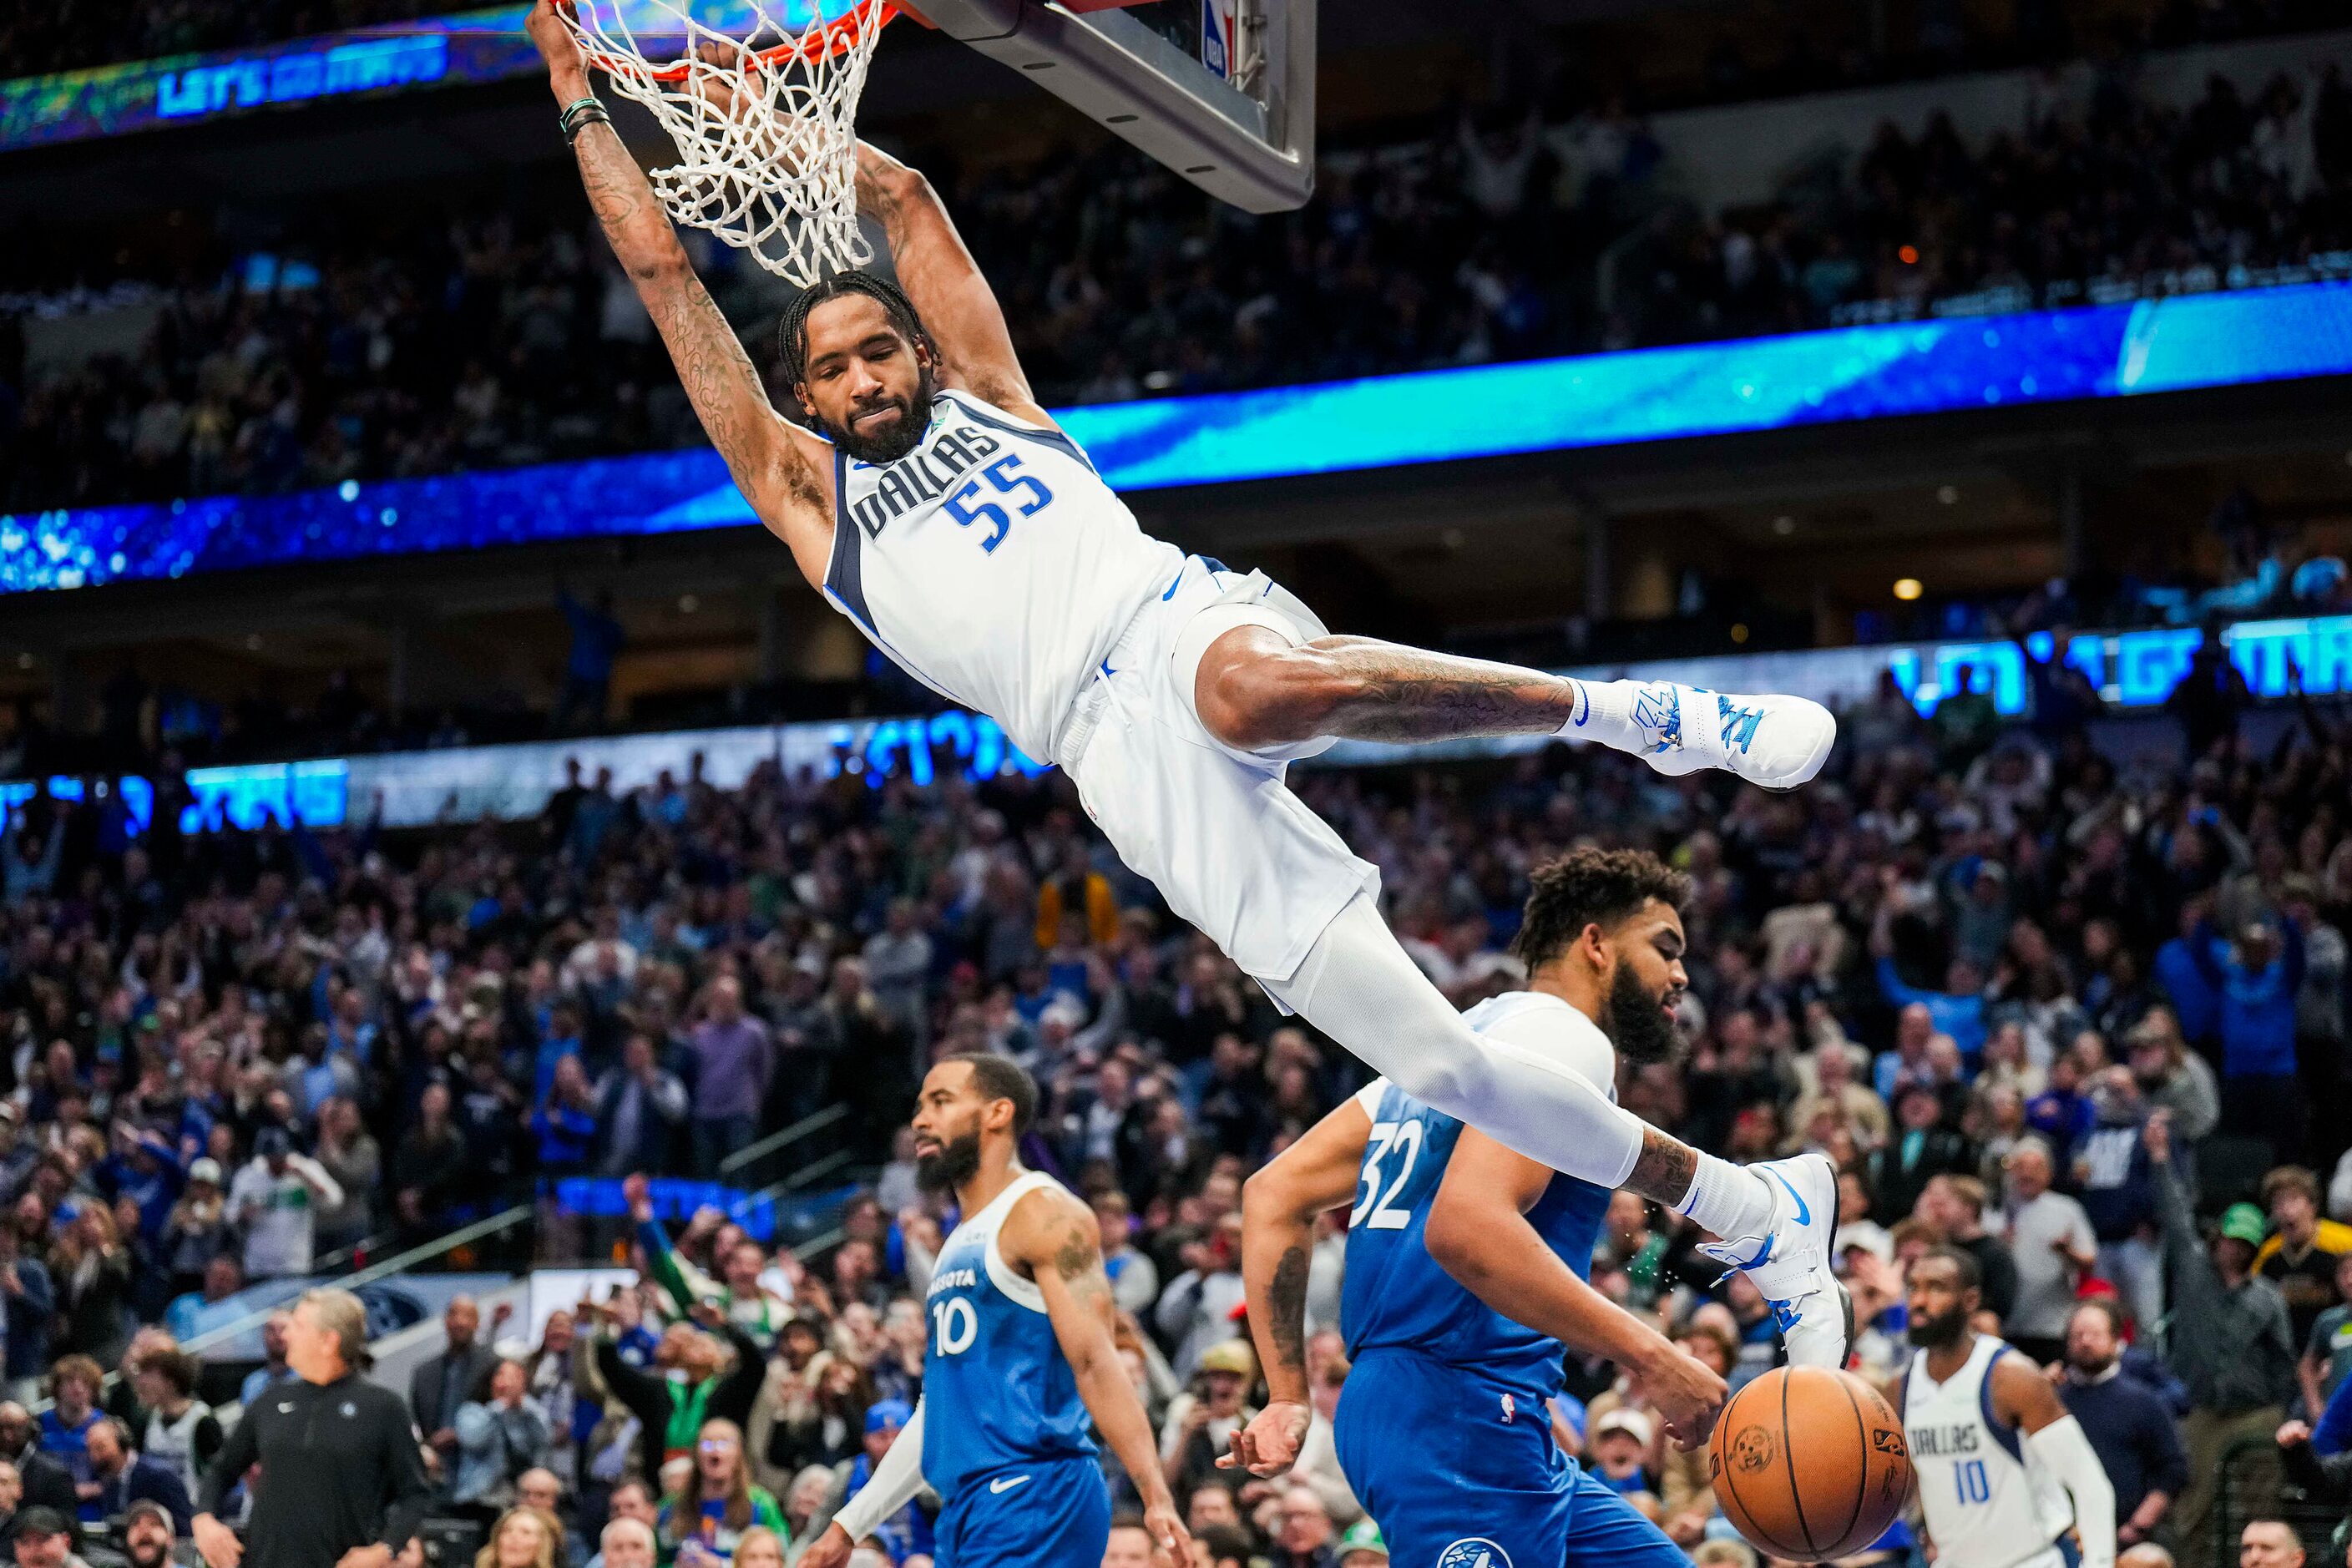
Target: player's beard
x=903, y=438
x=1945, y=1329
x=957, y=1162
x=1637, y=1024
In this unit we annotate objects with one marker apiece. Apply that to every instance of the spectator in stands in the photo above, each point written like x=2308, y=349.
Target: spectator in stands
x=1954, y=1206
x=718, y=1500
x=2328, y=1355
x=65, y=1426
x=733, y=1056
x=441, y=1384
x=180, y=1432
x=197, y=1231
x=2257, y=980
x=2117, y=1191
x=2305, y=1251
x=276, y=1200
x=907, y=1532
x=122, y=1476
x=42, y=1481
x=1921, y=1150
x=1196, y=1310
x=2051, y=1240
x=2269, y=1543
x=627, y=1541
x=2229, y=1342
x=2129, y=1427
x=707, y=1385
x=274, y=1369
x=148, y=1534
x=1303, y=1535
x=45, y=1539
x=522, y=1537
x=27, y=1306
x=640, y=1106
x=348, y=1153
x=501, y=1434
x=92, y=1270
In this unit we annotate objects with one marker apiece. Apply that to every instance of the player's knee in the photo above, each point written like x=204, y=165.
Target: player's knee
x=1272, y=696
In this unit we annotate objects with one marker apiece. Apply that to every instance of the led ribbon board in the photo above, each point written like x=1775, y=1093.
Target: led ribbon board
x=1748, y=386
x=433, y=51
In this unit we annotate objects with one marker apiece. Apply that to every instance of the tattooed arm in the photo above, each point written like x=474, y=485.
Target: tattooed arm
x=1053, y=1237
x=1478, y=1232
x=764, y=453
x=958, y=309
x=1279, y=1206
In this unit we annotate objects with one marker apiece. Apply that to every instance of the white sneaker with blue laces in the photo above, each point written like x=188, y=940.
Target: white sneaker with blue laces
x=1790, y=1264
x=1778, y=742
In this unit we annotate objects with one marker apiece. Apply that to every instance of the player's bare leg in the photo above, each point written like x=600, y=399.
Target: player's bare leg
x=1257, y=691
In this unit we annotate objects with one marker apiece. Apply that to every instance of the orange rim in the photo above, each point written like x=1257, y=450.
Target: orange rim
x=842, y=33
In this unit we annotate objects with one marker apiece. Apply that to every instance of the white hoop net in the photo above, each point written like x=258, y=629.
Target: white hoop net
x=761, y=98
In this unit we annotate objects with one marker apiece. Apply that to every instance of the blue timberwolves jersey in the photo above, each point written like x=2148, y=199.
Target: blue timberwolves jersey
x=996, y=1389
x=1394, y=1295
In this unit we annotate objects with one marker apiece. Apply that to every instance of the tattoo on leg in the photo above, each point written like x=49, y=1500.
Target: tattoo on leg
x=1666, y=1169
x=1287, y=1296
x=1410, y=694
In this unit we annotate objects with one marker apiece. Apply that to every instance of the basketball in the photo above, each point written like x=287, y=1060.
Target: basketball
x=1809, y=1464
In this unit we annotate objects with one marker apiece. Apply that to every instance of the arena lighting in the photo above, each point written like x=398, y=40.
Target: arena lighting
x=1599, y=400
x=1906, y=588
x=2135, y=670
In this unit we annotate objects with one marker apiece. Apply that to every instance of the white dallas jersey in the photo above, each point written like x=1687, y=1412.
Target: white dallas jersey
x=1989, y=1502
x=992, y=564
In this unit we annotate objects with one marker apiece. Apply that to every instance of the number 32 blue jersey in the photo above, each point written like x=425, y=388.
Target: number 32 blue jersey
x=1394, y=1295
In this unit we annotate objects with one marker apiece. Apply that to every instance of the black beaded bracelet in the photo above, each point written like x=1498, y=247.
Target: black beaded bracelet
x=581, y=113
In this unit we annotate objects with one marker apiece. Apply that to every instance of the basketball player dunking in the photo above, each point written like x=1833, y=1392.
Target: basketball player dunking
x=1468, y=1266
x=1019, y=1358
x=1997, y=1455
x=937, y=505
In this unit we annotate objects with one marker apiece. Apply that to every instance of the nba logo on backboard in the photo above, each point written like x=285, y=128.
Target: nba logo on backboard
x=1217, y=25
x=1475, y=1552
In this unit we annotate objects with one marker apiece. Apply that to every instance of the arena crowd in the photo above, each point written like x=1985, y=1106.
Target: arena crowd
x=405, y=335
x=2069, y=1011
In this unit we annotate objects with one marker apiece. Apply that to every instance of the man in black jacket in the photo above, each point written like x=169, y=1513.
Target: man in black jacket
x=342, y=1481
x=47, y=1484
x=440, y=1383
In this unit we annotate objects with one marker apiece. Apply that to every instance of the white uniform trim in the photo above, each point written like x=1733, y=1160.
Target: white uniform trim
x=988, y=1222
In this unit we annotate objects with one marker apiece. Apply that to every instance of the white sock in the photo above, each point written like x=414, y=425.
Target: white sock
x=1729, y=1200
x=1604, y=712
x=1358, y=986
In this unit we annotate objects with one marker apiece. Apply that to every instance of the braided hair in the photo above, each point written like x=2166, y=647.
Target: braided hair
x=792, y=329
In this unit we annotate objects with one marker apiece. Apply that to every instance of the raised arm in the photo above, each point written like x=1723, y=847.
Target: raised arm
x=1054, y=1236
x=762, y=450
x=1478, y=1232
x=1279, y=1206
x=958, y=306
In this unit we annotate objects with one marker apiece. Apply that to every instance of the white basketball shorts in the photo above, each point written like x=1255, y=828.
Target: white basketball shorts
x=1216, y=828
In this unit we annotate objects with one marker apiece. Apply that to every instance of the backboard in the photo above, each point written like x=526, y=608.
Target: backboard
x=1221, y=91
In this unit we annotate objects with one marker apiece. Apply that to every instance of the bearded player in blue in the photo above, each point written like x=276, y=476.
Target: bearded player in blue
x=1020, y=1362
x=1467, y=1263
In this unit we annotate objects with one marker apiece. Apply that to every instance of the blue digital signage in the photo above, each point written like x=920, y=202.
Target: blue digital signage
x=1749, y=385
x=2133, y=670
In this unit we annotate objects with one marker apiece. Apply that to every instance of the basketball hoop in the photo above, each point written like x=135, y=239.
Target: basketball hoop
x=761, y=104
